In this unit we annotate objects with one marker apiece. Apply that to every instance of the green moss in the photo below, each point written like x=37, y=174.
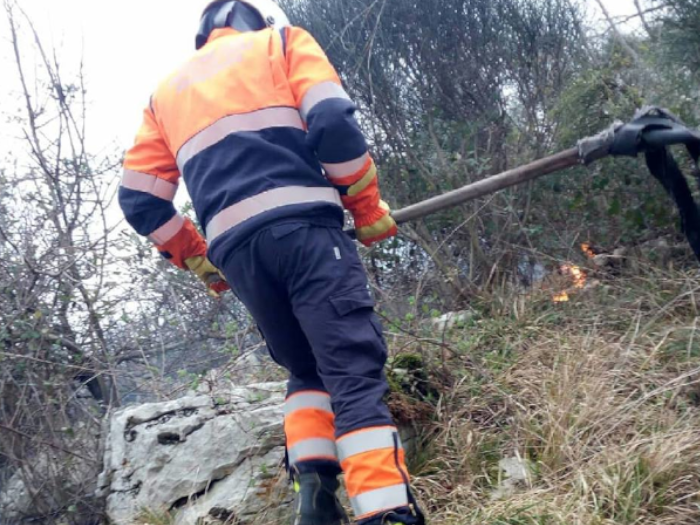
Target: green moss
x=407, y=374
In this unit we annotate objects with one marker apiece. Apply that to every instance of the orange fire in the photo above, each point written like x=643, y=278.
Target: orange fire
x=561, y=298
x=578, y=276
x=588, y=250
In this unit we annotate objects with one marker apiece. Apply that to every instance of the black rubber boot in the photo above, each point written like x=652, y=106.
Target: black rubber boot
x=316, y=502
x=411, y=515
x=405, y=516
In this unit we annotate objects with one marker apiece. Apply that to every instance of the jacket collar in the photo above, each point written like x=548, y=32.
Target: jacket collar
x=222, y=32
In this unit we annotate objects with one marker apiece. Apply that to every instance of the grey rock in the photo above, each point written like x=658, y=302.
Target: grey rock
x=452, y=320
x=15, y=499
x=204, y=458
x=516, y=473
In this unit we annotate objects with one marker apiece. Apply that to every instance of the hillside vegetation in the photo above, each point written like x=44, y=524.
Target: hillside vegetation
x=598, y=399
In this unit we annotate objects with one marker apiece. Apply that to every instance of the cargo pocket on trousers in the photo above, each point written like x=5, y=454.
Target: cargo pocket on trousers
x=354, y=300
x=356, y=307
x=348, y=302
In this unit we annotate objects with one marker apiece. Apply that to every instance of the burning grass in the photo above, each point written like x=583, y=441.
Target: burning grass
x=577, y=276
x=578, y=279
x=600, y=397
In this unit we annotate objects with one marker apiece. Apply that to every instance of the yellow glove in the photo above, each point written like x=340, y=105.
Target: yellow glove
x=376, y=226
x=208, y=274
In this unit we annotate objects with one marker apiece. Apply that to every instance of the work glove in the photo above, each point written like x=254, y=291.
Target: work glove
x=208, y=274
x=375, y=226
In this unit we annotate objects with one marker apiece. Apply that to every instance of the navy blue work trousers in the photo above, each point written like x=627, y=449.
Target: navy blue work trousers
x=306, y=288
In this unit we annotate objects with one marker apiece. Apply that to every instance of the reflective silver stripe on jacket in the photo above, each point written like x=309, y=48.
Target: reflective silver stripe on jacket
x=319, y=93
x=378, y=500
x=317, y=400
x=169, y=230
x=269, y=200
x=312, y=448
x=366, y=441
x=345, y=169
x=143, y=182
x=282, y=117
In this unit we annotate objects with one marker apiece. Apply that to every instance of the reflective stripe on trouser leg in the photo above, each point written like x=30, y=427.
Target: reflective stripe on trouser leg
x=375, y=470
x=375, y=501
x=309, y=427
x=312, y=448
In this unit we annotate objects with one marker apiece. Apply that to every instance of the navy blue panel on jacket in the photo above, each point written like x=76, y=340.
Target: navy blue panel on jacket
x=334, y=132
x=247, y=164
x=143, y=211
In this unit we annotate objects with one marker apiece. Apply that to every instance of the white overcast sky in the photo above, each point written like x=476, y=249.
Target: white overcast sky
x=127, y=47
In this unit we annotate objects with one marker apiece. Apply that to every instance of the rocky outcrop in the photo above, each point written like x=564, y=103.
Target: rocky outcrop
x=204, y=459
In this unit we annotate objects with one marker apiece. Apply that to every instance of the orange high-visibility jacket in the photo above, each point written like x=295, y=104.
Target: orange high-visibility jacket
x=261, y=129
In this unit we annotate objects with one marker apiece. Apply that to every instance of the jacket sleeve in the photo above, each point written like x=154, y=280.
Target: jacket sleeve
x=146, y=196
x=333, y=131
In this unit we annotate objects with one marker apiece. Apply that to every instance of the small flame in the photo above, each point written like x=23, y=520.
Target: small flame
x=576, y=273
x=578, y=276
x=588, y=250
x=561, y=298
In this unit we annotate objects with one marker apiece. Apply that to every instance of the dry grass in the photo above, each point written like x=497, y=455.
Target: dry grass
x=155, y=517
x=601, y=396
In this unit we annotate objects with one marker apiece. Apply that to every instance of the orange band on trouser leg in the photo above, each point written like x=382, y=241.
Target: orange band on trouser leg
x=309, y=425
x=376, y=476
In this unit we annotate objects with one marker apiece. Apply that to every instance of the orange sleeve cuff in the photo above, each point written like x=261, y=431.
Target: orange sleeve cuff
x=349, y=180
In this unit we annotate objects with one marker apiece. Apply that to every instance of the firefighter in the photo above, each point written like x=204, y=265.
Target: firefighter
x=264, y=135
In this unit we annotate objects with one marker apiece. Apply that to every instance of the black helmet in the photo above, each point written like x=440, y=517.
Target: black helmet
x=243, y=15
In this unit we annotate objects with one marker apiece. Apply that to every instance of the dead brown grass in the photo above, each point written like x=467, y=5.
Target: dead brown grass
x=601, y=397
